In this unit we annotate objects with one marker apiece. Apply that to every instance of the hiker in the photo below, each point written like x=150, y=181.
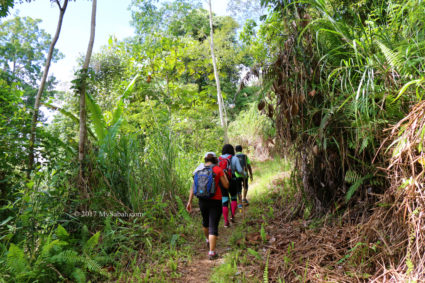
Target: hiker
x=208, y=178
x=230, y=164
x=242, y=181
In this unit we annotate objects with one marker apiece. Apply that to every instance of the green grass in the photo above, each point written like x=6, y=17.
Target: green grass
x=264, y=173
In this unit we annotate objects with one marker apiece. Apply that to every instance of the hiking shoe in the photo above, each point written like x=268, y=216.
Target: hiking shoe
x=245, y=201
x=226, y=224
x=232, y=219
x=240, y=206
x=212, y=255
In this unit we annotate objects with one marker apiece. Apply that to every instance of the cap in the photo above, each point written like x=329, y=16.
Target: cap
x=208, y=153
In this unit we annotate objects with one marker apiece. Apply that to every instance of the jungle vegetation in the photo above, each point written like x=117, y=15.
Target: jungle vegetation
x=334, y=86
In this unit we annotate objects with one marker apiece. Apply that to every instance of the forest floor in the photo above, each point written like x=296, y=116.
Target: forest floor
x=200, y=268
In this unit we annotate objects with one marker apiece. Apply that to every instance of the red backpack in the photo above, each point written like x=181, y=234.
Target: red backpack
x=226, y=165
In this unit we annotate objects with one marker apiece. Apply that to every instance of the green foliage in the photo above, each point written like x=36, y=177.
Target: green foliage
x=250, y=126
x=52, y=258
x=336, y=74
x=24, y=47
x=14, y=123
x=266, y=270
x=152, y=114
x=226, y=272
x=16, y=260
x=5, y=6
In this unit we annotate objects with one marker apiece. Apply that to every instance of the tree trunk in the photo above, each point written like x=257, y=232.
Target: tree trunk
x=309, y=189
x=62, y=10
x=83, y=112
x=217, y=80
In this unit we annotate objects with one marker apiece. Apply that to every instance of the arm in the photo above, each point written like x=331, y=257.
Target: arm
x=250, y=171
x=189, y=202
x=224, y=182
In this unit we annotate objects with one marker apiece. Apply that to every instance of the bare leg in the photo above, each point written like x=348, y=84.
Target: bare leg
x=244, y=189
x=205, y=232
x=213, y=241
x=244, y=194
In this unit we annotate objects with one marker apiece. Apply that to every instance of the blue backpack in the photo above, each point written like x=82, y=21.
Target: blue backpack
x=204, y=184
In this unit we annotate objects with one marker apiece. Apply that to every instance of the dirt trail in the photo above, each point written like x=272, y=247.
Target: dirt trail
x=200, y=268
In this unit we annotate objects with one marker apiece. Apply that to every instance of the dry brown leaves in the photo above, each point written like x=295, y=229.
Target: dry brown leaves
x=388, y=246
x=298, y=252
x=399, y=220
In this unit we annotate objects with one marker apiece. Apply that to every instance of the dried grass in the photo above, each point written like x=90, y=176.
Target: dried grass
x=399, y=217
x=301, y=252
x=383, y=245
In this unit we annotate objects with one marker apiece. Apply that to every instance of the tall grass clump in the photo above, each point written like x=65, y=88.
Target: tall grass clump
x=251, y=129
x=337, y=80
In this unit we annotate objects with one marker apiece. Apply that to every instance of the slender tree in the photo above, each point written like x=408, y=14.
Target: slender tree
x=82, y=91
x=217, y=80
x=62, y=10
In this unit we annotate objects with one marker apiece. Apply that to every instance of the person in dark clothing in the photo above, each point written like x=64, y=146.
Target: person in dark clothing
x=228, y=156
x=242, y=180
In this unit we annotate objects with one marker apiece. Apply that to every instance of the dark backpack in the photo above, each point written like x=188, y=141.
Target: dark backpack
x=204, y=183
x=242, y=161
x=226, y=165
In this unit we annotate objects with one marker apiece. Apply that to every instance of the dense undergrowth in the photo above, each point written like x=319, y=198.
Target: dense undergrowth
x=125, y=226
x=343, y=84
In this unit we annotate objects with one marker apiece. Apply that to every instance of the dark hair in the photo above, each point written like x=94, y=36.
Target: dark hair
x=228, y=149
x=211, y=158
x=238, y=148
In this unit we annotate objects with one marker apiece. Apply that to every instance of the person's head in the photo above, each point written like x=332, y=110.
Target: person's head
x=210, y=157
x=238, y=148
x=228, y=149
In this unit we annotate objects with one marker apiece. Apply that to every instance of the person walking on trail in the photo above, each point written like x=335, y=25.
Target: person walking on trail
x=230, y=164
x=242, y=180
x=207, y=180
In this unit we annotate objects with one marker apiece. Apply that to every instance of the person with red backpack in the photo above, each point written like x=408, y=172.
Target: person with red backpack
x=208, y=182
x=230, y=164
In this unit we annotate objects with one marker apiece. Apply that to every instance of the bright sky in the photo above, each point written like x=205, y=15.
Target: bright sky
x=111, y=19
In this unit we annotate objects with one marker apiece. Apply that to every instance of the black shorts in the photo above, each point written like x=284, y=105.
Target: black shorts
x=233, y=187
x=211, y=211
x=241, y=183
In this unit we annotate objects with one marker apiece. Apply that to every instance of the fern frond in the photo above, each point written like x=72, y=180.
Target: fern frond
x=353, y=188
x=79, y=275
x=67, y=257
x=393, y=58
x=48, y=246
x=266, y=270
x=352, y=176
x=94, y=266
x=16, y=259
x=91, y=243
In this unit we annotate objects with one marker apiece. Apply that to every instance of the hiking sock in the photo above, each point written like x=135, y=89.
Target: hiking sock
x=226, y=215
x=233, y=205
